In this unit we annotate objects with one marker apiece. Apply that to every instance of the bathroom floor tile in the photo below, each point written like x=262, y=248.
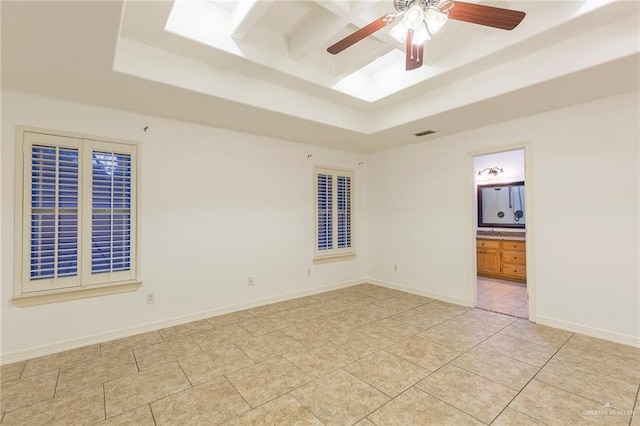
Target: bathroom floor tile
x=340, y=398
x=524, y=351
x=207, y=366
x=129, y=392
x=589, y=384
x=501, y=369
x=268, y=380
x=140, y=416
x=415, y=407
x=265, y=346
x=483, y=317
x=11, y=372
x=455, y=338
x=61, y=359
x=551, y=405
x=166, y=352
x=27, y=391
x=128, y=344
x=313, y=330
x=399, y=303
x=361, y=342
x=392, y=329
x=211, y=339
x=95, y=372
x=285, y=410
x=264, y=324
x=617, y=349
x=468, y=392
x=84, y=407
x=421, y=352
x=387, y=372
x=511, y=417
x=207, y=404
x=228, y=319
x=181, y=330
x=375, y=312
x=319, y=359
x=534, y=333
x=623, y=368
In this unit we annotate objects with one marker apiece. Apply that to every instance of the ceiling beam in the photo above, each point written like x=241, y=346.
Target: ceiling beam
x=245, y=15
x=337, y=7
x=323, y=27
x=345, y=65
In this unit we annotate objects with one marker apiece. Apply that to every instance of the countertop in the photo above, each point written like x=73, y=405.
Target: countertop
x=501, y=235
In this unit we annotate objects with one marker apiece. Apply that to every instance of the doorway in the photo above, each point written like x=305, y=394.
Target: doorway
x=501, y=217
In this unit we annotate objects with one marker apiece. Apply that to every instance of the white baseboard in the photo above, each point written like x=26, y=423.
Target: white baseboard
x=599, y=333
x=419, y=292
x=75, y=343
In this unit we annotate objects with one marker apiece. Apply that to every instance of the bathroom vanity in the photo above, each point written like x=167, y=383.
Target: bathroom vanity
x=503, y=258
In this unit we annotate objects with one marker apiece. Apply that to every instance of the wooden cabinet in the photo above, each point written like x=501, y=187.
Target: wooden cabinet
x=503, y=259
x=488, y=252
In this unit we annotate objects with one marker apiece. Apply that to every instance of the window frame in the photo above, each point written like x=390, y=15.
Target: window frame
x=28, y=292
x=334, y=254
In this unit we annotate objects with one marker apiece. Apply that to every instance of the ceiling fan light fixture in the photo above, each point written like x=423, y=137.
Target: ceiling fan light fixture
x=420, y=35
x=435, y=19
x=399, y=31
x=414, y=17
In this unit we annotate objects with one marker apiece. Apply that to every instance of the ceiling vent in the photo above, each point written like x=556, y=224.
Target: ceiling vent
x=425, y=133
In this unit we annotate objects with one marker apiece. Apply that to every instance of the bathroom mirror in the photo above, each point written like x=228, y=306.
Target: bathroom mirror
x=501, y=205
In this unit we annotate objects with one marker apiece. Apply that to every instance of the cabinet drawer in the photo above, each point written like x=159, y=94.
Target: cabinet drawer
x=514, y=257
x=488, y=244
x=513, y=245
x=515, y=271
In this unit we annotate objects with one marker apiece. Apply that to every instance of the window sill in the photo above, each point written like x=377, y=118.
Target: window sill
x=334, y=258
x=62, y=295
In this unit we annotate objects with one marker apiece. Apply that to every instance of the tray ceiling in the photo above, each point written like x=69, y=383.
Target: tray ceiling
x=261, y=66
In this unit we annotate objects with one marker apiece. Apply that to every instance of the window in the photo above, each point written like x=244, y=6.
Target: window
x=334, y=214
x=75, y=217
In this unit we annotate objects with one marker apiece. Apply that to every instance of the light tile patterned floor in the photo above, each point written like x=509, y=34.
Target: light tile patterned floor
x=507, y=297
x=363, y=355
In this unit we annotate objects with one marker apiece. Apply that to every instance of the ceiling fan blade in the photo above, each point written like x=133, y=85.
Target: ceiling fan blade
x=362, y=33
x=505, y=19
x=414, y=54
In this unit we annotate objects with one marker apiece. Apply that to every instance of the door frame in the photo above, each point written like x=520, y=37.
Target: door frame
x=472, y=288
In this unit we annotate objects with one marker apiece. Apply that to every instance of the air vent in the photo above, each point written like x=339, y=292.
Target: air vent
x=426, y=132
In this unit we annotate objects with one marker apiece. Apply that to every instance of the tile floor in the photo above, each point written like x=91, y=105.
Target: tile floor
x=364, y=355
x=507, y=297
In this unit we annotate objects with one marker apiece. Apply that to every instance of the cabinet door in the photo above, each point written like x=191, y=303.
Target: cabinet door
x=491, y=261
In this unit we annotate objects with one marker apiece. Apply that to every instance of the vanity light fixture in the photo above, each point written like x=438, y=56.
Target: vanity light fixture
x=493, y=171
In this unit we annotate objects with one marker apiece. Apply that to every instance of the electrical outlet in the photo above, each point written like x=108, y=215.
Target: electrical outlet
x=308, y=272
x=250, y=282
x=395, y=268
x=150, y=298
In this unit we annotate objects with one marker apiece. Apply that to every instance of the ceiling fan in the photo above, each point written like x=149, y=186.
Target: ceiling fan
x=423, y=18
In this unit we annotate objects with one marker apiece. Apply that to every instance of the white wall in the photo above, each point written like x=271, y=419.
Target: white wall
x=586, y=247
x=217, y=207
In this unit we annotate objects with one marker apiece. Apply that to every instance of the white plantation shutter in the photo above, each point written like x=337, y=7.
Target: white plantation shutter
x=51, y=209
x=334, y=201
x=324, y=211
x=112, y=205
x=343, y=208
x=78, y=219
